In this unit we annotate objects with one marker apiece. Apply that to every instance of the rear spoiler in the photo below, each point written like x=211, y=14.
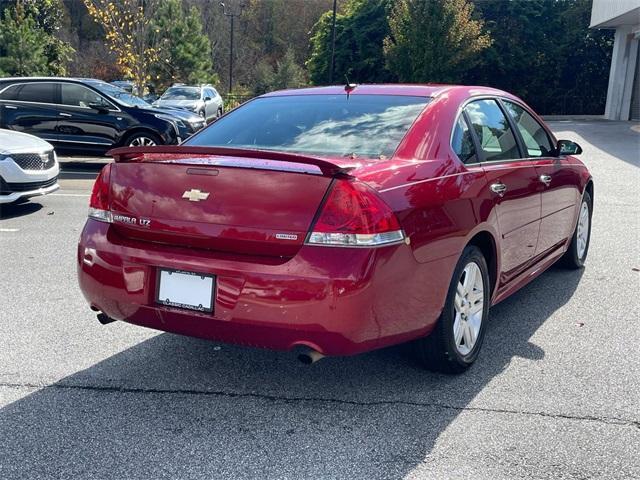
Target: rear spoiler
x=164, y=153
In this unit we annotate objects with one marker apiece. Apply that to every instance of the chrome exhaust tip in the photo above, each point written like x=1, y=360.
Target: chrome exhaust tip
x=310, y=356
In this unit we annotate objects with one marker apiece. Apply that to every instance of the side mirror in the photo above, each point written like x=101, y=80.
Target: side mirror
x=567, y=147
x=207, y=99
x=100, y=107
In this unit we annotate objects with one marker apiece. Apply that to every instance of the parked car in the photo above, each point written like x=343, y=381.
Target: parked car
x=126, y=85
x=28, y=167
x=88, y=116
x=203, y=100
x=339, y=220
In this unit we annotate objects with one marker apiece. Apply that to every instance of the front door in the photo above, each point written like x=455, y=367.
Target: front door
x=513, y=183
x=558, y=181
x=86, y=119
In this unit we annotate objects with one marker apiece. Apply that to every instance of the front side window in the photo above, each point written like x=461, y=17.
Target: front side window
x=370, y=126
x=37, y=92
x=118, y=94
x=79, y=96
x=497, y=141
x=534, y=135
x=10, y=93
x=462, y=143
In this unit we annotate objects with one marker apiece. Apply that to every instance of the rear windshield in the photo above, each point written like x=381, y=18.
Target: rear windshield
x=368, y=126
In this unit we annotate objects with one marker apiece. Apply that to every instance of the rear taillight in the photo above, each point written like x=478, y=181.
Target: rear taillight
x=99, y=203
x=355, y=216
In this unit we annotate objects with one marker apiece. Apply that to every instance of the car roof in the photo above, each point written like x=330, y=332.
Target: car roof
x=414, y=90
x=48, y=79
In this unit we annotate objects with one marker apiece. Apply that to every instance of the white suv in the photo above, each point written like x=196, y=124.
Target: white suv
x=28, y=167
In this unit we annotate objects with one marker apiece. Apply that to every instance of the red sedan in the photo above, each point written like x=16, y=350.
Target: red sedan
x=339, y=220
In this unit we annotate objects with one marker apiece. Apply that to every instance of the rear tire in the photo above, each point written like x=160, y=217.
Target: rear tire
x=576, y=254
x=455, y=342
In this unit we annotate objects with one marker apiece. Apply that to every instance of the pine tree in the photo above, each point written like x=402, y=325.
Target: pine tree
x=185, y=49
x=22, y=44
x=433, y=41
x=360, y=30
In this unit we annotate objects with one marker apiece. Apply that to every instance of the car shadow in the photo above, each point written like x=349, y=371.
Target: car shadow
x=178, y=407
x=14, y=210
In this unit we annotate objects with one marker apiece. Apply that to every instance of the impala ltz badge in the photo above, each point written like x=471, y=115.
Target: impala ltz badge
x=195, y=195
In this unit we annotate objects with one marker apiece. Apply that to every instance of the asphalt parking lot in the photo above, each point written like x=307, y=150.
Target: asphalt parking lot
x=555, y=393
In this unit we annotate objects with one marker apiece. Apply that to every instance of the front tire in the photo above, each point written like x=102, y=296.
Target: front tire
x=142, y=139
x=576, y=254
x=455, y=342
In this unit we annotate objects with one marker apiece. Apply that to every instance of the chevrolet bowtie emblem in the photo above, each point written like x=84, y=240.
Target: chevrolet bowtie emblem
x=195, y=195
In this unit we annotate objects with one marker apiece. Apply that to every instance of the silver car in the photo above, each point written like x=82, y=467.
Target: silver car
x=203, y=100
x=28, y=167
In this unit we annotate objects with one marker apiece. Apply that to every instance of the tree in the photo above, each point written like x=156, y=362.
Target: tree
x=545, y=53
x=22, y=44
x=361, y=27
x=185, y=51
x=48, y=15
x=433, y=41
x=286, y=74
x=129, y=34
x=28, y=32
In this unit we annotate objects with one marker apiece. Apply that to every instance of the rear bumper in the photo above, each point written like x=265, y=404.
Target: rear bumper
x=338, y=301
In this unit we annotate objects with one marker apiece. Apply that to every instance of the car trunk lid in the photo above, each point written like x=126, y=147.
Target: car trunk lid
x=225, y=202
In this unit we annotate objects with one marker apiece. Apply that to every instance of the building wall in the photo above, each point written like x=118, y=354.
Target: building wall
x=604, y=11
x=624, y=17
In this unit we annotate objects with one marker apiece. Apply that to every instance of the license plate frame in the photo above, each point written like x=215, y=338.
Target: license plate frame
x=204, y=292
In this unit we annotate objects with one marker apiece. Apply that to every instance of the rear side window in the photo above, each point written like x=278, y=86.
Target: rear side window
x=37, y=92
x=497, y=141
x=10, y=93
x=534, y=135
x=462, y=143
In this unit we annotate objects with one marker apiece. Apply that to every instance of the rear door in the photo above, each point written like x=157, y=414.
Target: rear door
x=559, y=182
x=80, y=124
x=30, y=108
x=513, y=183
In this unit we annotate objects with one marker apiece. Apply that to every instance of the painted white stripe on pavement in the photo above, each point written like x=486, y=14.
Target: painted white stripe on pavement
x=69, y=195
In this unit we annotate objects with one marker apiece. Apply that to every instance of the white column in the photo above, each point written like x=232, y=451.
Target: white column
x=623, y=64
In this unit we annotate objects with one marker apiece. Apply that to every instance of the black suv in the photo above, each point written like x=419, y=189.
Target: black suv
x=89, y=116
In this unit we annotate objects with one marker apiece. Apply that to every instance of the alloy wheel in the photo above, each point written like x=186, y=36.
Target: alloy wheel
x=468, y=308
x=142, y=141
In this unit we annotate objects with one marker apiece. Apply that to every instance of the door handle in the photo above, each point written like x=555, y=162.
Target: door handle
x=65, y=114
x=546, y=179
x=11, y=107
x=498, y=188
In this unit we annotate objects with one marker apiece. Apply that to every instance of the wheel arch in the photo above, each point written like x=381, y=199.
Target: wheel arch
x=127, y=134
x=589, y=188
x=486, y=242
